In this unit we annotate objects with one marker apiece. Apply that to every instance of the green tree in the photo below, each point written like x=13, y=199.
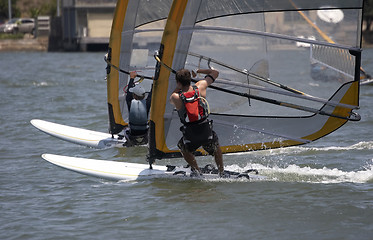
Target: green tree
x=368, y=13
x=4, y=9
x=48, y=8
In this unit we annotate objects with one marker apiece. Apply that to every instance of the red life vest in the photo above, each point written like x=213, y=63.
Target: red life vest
x=196, y=107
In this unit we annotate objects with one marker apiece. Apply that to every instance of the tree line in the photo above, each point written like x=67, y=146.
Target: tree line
x=28, y=8
x=34, y=8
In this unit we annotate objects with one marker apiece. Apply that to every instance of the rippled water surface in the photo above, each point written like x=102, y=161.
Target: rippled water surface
x=323, y=190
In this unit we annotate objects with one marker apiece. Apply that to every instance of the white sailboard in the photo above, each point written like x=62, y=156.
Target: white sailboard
x=118, y=171
x=80, y=136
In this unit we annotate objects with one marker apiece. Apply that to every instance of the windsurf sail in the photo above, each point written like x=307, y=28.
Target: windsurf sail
x=265, y=96
x=135, y=35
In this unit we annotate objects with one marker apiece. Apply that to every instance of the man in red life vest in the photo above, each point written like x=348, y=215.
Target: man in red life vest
x=197, y=130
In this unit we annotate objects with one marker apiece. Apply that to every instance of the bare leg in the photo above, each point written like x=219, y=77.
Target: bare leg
x=190, y=159
x=219, y=159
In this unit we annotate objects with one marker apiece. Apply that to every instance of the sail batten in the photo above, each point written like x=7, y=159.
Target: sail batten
x=266, y=34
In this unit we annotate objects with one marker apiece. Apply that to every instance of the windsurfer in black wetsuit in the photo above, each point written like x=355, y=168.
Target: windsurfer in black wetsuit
x=193, y=111
x=138, y=108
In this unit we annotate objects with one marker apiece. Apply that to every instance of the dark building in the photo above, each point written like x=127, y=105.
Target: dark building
x=86, y=24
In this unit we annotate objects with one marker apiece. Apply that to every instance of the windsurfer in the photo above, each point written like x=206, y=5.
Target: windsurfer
x=138, y=108
x=193, y=111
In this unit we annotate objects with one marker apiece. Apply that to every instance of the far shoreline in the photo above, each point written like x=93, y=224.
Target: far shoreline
x=40, y=44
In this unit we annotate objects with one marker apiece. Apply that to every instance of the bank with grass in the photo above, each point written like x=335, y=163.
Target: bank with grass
x=22, y=42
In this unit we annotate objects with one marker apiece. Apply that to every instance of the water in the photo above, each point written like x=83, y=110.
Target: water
x=323, y=190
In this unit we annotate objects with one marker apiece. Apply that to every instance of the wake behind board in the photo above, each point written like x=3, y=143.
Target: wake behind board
x=79, y=135
x=117, y=171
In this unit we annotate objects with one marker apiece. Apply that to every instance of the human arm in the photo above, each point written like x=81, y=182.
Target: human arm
x=149, y=100
x=210, y=77
x=176, y=101
x=211, y=74
x=131, y=84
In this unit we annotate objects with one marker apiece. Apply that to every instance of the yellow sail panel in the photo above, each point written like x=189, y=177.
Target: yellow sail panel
x=115, y=115
x=350, y=97
x=161, y=85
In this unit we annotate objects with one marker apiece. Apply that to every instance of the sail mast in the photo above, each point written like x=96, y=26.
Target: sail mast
x=166, y=53
x=115, y=118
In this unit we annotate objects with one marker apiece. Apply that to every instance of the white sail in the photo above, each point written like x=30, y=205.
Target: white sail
x=253, y=45
x=135, y=35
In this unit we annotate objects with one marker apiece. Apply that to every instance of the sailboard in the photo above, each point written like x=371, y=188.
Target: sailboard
x=277, y=105
x=80, y=136
x=124, y=171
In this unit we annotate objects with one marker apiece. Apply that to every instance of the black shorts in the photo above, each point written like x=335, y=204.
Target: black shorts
x=195, y=136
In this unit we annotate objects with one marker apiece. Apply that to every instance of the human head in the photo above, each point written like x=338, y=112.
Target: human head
x=138, y=91
x=183, y=77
